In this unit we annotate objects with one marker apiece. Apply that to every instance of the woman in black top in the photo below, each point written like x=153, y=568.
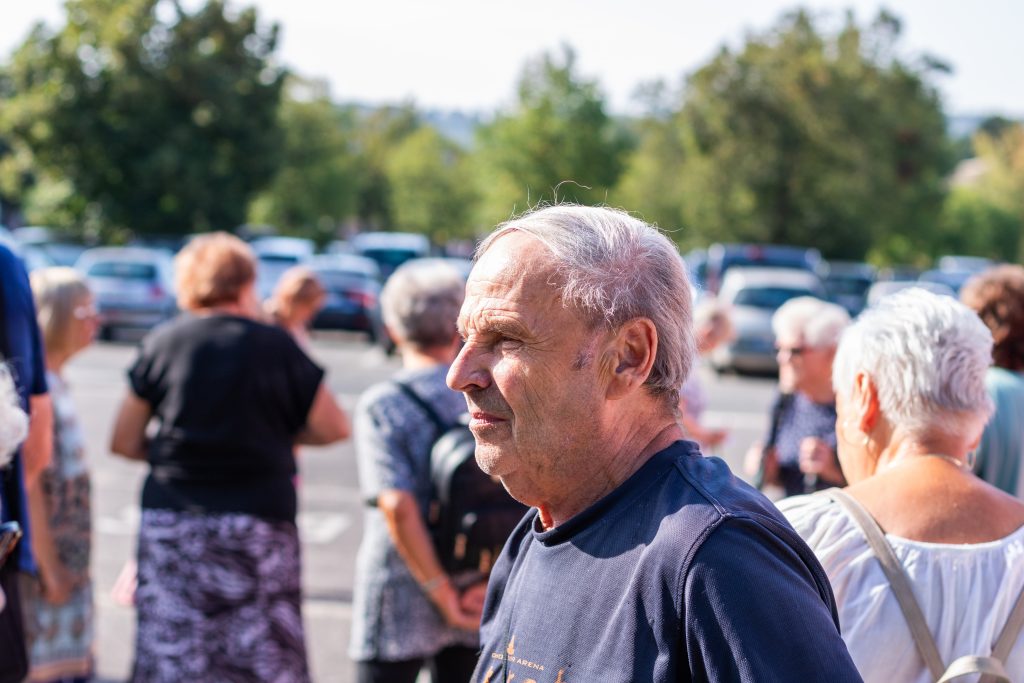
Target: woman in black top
x=218, y=559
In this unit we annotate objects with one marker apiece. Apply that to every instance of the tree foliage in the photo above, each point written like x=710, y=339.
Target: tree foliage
x=801, y=137
x=430, y=186
x=161, y=120
x=317, y=186
x=557, y=143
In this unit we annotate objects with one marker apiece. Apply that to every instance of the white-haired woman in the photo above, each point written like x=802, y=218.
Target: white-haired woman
x=58, y=609
x=407, y=613
x=799, y=453
x=910, y=385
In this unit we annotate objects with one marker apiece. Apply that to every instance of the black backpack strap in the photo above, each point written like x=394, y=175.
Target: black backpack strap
x=780, y=408
x=441, y=425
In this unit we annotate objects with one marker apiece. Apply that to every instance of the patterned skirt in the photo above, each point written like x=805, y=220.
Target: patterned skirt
x=219, y=599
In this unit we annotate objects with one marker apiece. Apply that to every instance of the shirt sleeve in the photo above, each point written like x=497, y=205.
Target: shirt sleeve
x=757, y=610
x=38, y=359
x=293, y=379
x=382, y=447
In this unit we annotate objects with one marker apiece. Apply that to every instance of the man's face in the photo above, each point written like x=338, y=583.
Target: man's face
x=529, y=370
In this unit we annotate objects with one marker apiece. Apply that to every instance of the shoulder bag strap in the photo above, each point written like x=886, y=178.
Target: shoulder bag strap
x=897, y=577
x=992, y=669
x=441, y=425
x=1007, y=639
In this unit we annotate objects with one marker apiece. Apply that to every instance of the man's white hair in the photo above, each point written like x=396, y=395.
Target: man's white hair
x=818, y=323
x=613, y=268
x=927, y=356
x=13, y=420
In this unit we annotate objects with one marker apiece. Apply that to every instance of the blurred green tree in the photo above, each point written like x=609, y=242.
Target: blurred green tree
x=1002, y=152
x=556, y=143
x=801, y=137
x=973, y=223
x=379, y=133
x=431, y=191
x=162, y=120
x=317, y=186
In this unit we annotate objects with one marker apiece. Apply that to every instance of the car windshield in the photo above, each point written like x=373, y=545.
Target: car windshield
x=390, y=257
x=854, y=286
x=123, y=270
x=340, y=279
x=768, y=297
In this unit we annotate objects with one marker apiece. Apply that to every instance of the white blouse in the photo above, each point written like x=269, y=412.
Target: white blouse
x=966, y=592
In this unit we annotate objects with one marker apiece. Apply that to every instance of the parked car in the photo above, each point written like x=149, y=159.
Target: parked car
x=133, y=287
x=882, y=289
x=274, y=256
x=353, y=292
x=390, y=249
x=722, y=257
x=847, y=284
x=754, y=294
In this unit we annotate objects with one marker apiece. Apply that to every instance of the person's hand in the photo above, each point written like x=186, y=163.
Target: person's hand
x=817, y=458
x=448, y=603
x=57, y=584
x=715, y=437
x=472, y=599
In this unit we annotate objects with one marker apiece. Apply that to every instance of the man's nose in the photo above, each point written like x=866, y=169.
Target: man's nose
x=468, y=371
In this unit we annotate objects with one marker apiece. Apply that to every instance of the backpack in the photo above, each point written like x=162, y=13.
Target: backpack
x=991, y=666
x=471, y=515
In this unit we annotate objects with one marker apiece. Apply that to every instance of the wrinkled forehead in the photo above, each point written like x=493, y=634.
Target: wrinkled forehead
x=516, y=266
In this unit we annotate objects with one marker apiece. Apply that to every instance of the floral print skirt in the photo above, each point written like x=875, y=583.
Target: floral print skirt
x=218, y=599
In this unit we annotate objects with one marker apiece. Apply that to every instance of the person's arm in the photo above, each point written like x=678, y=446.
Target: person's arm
x=56, y=579
x=129, y=437
x=409, y=533
x=757, y=610
x=37, y=451
x=327, y=422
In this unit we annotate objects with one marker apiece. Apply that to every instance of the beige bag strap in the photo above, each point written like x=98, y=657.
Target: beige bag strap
x=898, y=580
x=991, y=667
x=1007, y=639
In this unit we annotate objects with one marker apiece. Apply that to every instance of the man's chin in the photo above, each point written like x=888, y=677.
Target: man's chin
x=493, y=461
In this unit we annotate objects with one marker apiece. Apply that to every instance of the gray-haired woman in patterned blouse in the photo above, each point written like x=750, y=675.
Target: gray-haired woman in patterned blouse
x=407, y=613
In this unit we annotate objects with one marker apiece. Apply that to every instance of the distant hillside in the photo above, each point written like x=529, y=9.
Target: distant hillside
x=456, y=125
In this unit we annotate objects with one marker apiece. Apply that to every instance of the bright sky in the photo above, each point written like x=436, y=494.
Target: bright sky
x=468, y=54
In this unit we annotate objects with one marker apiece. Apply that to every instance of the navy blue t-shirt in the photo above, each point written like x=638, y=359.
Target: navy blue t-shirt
x=683, y=573
x=26, y=364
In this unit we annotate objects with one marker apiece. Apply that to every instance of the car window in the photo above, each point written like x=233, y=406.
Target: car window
x=768, y=297
x=124, y=270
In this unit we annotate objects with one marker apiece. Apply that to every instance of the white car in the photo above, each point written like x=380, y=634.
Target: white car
x=753, y=295
x=133, y=286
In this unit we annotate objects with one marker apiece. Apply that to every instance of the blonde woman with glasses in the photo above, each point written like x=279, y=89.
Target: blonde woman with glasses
x=58, y=608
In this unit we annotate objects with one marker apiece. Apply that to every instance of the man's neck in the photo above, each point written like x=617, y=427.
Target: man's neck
x=616, y=469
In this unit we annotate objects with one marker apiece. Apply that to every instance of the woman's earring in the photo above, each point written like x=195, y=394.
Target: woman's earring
x=972, y=459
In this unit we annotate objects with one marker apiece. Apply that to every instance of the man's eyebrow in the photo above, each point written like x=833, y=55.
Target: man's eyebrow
x=502, y=326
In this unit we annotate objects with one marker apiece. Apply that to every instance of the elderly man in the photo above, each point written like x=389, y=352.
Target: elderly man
x=642, y=560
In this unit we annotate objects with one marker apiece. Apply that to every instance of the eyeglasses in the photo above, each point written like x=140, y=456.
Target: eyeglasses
x=85, y=313
x=791, y=351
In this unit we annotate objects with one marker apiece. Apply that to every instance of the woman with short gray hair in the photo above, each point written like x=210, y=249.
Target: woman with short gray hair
x=799, y=452
x=911, y=401
x=407, y=612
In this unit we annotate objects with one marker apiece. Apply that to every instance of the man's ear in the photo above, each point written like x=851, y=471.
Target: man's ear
x=630, y=357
